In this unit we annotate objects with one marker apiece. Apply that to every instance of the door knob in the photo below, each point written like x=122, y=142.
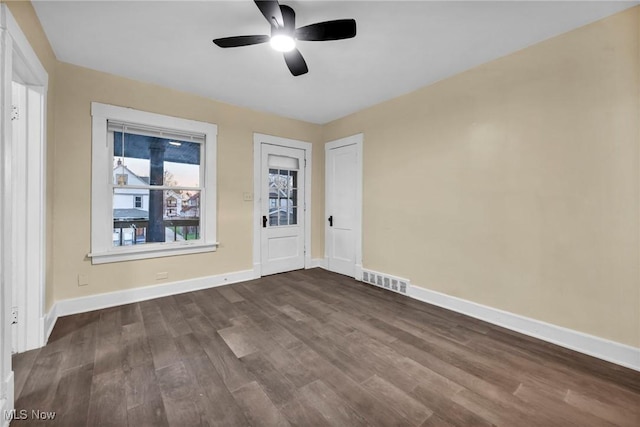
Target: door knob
x=264, y=221
x=331, y=221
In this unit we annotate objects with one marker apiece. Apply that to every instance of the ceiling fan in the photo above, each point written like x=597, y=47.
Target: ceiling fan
x=284, y=34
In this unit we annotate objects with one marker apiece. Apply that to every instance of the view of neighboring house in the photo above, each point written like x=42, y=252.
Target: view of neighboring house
x=172, y=204
x=131, y=208
x=191, y=206
x=129, y=203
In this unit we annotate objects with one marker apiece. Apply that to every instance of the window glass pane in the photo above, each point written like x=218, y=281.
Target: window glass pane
x=163, y=216
x=147, y=160
x=283, y=197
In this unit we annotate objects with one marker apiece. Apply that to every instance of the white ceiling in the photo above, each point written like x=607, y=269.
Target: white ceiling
x=399, y=46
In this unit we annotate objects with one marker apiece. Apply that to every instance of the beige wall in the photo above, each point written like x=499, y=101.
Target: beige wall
x=26, y=17
x=77, y=88
x=516, y=184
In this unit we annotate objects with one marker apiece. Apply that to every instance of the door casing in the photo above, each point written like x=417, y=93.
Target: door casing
x=258, y=140
x=19, y=62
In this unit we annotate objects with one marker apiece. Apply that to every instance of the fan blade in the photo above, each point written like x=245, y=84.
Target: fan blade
x=288, y=18
x=271, y=11
x=295, y=62
x=329, y=30
x=241, y=41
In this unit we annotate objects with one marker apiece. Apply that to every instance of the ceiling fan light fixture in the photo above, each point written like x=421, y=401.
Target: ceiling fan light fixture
x=282, y=43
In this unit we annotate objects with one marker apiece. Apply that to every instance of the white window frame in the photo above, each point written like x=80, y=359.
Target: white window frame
x=102, y=249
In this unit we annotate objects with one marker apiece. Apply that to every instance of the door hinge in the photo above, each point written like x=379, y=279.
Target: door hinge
x=15, y=112
x=14, y=315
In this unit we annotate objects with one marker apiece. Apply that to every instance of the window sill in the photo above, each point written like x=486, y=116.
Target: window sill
x=135, y=253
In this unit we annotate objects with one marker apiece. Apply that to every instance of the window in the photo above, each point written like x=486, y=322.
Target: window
x=283, y=197
x=166, y=165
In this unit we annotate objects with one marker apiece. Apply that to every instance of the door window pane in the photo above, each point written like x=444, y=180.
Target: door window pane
x=283, y=197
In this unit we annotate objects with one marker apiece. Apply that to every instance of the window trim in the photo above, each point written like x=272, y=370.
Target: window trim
x=102, y=249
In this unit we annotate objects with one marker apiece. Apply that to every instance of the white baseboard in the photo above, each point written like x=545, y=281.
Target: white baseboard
x=359, y=271
x=128, y=296
x=318, y=262
x=50, y=322
x=601, y=348
x=6, y=403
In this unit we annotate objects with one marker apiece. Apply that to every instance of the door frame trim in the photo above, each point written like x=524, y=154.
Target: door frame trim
x=19, y=61
x=258, y=140
x=356, y=140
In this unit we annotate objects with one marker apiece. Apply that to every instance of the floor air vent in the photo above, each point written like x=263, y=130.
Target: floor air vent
x=386, y=281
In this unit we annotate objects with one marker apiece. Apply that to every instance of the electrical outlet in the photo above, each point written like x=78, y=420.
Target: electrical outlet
x=162, y=275
x=247, y=197
x=83, y=279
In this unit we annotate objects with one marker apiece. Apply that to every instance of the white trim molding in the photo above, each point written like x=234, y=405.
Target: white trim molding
x=49, y=322
x=258, y=140
x=591, y=345
x=6, y=403
x=318, y=263
x=111, y=299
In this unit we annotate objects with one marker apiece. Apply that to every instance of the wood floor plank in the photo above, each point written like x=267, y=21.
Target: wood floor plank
x=259, y=410
x=239, y=339
x=174, y=320
x=163, y=351
x=137, y=350
x=225, y=362
x=179, y=395
x=563, y=413
x=447, y=410
x=108, y=405
x=71, y=395
x=22, y=364
x=230, y=294
x=328, y=404
x=621, y=416
x=376, y=410
x=41, y=385
x=82, y=346
x=215, y=400
x=130, y=313
x=279, y=388
x=311, y=348
x=415, y=412
x=144, y=401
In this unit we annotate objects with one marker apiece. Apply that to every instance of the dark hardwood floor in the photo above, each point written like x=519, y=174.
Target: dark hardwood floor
x=310, y=348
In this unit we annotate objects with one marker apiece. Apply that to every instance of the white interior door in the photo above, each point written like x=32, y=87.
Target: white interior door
x=343, y=198
x=282, y=207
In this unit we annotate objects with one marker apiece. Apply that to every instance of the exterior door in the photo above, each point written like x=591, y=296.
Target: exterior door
x=282, y=206
x=344, y=205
